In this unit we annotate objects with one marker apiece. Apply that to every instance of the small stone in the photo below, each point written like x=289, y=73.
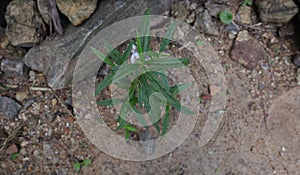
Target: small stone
x=214, y=90
x=77, y=10
x=13, y=67
x=9, y=108
x=215, y=8
x=298, y=76
x=265, y=66
x=36, y=153
x=70, y=119
x=12, y=149
x=276, y=11
x=23, y=151
x=180, y=11
x=25, y=27
x=54, y=102
x=206, y=97
x=245, y=44
x=296, y=60
x=9, y=51
x=244, y=14
x=22, y=94
x=204, y=23
x=24, y=143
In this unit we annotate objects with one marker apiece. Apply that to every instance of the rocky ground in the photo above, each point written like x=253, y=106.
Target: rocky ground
x=259, y=52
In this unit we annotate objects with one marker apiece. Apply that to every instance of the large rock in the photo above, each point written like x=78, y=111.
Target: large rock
x=77, y=10
x=56, y=58
x=276, y=11
x=43, y=6
x=204, y=23
x=25, y=27
x=243, y=46
x=9, y=51
x=9, y=108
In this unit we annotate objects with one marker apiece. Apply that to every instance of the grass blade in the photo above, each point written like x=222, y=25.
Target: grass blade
x=123, y=115
x=113, y=53
x=110, y=102
x=127, y=52
x=130, y=128
x=180, y=88
x=165, y=122
x=167, y=37
x=105, y=82
x=102, y=57
x=139, y=46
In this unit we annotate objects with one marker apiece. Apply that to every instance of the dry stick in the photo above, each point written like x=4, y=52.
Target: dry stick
x=62, y=103
x=48, y=89
x=11, y=137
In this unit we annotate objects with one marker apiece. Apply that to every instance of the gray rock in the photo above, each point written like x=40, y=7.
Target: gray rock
x=296, y=60
x=57, y=57
x=276, y=11
x=9, y=51
x=77, y=10
x=204, y=23
x=25, y=27
x=9, y=108
x=43, y=6
x=180, y=11
x=13, y=67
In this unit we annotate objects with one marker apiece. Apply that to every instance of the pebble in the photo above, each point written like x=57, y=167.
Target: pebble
x=23, y=151
x=36, y=153
x=24, y=143
x=12, y=149
x=265, y=66
x=296, y=60
x=53, y=102
x=9, y=108
x=22, y=94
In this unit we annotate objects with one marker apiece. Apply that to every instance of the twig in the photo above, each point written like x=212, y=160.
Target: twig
x=61, y=102
x=32, y=88
x=11, y=137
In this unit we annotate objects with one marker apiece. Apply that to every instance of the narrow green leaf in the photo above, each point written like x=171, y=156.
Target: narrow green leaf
x=139, y=46
x=170, y=98
x=127, y=52
x=127, y=135
x=110, y=102
x=180, y=88
x=105, y=82
x=145, y=31
x=113, y=53
x=167, y=37
x=166, y=120
x=130, y=128
x=86, y=162
x=125, y=70
x=102, y=57
x=155, y=112
x=139, y=115
x=123, y=115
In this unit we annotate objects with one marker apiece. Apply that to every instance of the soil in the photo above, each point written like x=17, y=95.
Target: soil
x=259, y=132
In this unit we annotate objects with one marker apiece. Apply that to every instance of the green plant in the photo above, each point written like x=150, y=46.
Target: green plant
x=14, y=156
x=144, y=79
x=247, y=2
x=226, y=16
x=78, y=165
